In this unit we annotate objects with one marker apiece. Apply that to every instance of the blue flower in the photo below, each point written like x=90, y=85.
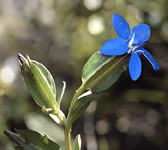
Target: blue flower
x=131, y=43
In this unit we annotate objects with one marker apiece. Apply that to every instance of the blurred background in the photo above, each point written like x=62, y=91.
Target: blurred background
x=63, y=34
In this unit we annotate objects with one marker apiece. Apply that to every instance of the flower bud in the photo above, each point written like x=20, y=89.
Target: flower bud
x=39, y=82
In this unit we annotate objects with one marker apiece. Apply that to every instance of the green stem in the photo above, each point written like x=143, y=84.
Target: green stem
x=61, y=117
x=68, y=126
x=57, y=115
x=68, y=139
x=79, y=91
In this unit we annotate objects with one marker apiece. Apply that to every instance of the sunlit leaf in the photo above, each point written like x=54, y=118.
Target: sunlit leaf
x=60, y=95
x=101, y=72
x=47, y=75
x=39, y=82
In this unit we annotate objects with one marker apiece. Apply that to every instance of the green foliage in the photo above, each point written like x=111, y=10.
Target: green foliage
x=65, y=35
x=47, y=76
x=39, y=82
x=101, y=72
x=60, y=95
x=41, y=85
x=31, y=140
x=77, y=144
x=79, y=107
x=21, y=143
x=44, y=125
x=98, y=74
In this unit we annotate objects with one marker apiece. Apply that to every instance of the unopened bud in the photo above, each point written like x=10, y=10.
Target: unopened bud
x=39, y=82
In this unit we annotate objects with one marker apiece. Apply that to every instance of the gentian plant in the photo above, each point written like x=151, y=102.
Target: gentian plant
x=99, y=73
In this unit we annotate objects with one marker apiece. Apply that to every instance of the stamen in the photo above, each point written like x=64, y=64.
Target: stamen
x=130, y=50
x=130, y=43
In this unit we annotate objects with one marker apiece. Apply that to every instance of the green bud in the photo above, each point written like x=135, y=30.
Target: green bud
x=39, y=82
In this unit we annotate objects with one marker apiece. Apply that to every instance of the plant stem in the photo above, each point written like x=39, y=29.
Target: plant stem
x=68, y=139
x=68, y=126
x=61, y=117
x=79, y=91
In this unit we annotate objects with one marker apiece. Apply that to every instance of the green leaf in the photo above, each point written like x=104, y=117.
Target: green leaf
x=47, y=75
x=95, y=62
x=21, y=143
x=39, y=82
x=77, y=144
x=31, y=140
x=41, y=141
x=43, y=124
x=100, y=72
x=79, y=107
x=60, y=95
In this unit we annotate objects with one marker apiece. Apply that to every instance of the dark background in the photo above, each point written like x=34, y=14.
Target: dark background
x=63, y=34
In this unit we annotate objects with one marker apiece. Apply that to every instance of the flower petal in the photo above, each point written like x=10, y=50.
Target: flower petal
x=121, y=26
x=116, y=46
x=150, y=59
x=135, y=66
x=140, y=33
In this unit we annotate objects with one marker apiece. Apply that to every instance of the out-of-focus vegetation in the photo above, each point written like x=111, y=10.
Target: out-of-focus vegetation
x=62, y=35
